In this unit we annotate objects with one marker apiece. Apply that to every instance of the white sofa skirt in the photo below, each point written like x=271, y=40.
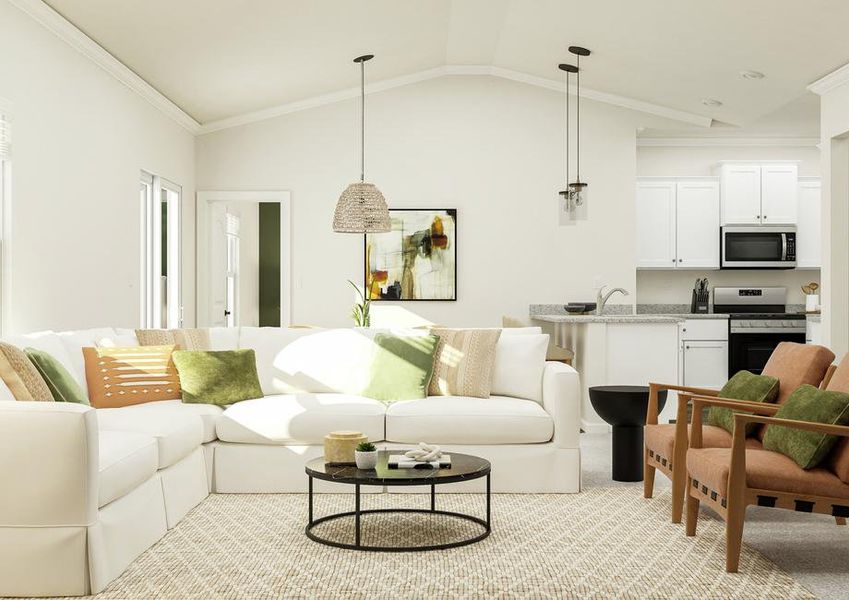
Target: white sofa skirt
x=519, y=468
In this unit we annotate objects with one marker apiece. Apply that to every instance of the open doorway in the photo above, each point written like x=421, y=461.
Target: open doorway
x=243, y=259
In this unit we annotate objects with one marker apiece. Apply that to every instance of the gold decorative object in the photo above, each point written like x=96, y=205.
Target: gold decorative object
x=339, y=447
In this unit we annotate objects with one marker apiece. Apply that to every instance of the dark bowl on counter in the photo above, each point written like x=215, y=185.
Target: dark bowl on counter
x=578, y=308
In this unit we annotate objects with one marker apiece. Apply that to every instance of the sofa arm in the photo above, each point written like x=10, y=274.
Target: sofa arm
x=561, y=398
x=48, y=464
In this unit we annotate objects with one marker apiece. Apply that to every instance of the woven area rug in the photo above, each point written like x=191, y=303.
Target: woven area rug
x=602, y=543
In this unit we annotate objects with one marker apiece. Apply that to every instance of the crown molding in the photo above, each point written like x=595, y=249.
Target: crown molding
x=79, y=41
x=727, y=142
x=831, y=81
x=449, y=70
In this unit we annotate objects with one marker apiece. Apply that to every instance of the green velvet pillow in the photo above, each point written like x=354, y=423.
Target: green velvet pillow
x=217, y=377
x=63, y=387
x=743, y=386
x=402, y=367
x=807, y=403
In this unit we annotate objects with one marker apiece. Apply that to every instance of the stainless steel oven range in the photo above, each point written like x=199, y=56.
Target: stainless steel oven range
x=758, y=322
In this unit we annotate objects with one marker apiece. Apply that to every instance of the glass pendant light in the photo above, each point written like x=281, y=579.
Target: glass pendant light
x=573, y=204
x=361, y=208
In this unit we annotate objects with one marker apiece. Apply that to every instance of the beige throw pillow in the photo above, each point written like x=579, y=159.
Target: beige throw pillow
x=463, y=362
x=183, y=339
x=23, y=371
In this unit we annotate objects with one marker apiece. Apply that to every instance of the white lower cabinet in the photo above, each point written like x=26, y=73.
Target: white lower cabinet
x=704, y=353
x=704, y=364
x=813, y=332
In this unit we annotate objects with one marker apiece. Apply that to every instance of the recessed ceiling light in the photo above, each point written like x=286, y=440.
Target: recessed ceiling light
x=751, y=75
x=713, y=102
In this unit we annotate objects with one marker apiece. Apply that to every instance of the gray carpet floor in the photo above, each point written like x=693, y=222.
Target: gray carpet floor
x=811, y=548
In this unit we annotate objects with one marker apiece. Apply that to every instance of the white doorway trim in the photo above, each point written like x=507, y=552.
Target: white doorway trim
x=205, y=199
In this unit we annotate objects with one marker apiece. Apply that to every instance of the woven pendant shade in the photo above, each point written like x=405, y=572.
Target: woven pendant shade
x=361, y=209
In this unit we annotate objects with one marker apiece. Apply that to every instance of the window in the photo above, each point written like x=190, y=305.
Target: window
x=161, y=303
x=5, y=198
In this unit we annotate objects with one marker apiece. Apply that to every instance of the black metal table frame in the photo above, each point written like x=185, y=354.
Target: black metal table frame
x=358, y=512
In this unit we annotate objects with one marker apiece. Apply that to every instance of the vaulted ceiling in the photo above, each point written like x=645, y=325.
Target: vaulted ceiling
x=220, y=58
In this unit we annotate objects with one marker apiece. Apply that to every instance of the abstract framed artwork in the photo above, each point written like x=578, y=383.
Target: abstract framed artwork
x=416, y=260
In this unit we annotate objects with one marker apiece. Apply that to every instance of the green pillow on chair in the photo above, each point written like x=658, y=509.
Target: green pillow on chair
x=63, y=387
x=402, y=367
x=217, y=377
x=807, y=403
x=743, y=386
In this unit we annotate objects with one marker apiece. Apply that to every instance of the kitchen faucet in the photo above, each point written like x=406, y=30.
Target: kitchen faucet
x=601, y=300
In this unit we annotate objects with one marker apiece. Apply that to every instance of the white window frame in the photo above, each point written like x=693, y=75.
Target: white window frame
x=151, y=188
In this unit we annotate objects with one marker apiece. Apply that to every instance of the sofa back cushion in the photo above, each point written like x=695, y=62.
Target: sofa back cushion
x=50, y=342
x=519, y=364
x=838, y=460
x=291, y=361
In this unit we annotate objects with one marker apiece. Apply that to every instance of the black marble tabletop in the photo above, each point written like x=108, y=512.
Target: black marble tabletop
x=464, y=467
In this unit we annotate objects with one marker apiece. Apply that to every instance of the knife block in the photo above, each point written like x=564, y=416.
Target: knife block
x=700, y=303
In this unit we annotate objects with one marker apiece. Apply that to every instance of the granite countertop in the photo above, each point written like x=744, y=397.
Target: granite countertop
x=609, y=318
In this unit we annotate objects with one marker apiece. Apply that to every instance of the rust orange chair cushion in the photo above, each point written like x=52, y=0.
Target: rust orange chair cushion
x=661, y=439
x=765, y=470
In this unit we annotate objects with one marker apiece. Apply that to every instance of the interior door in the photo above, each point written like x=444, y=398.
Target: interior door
x=655, y=219
x=218, y=265
x=697, y=229
x=741, y=194
x=779, y=194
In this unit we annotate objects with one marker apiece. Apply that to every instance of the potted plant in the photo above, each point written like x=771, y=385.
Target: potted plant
x=360, y=312
x=366, y=455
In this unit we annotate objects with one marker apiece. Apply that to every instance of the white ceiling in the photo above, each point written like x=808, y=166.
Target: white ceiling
x=218, y=58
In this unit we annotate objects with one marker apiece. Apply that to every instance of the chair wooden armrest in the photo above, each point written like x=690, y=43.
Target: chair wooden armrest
x=654, y=388
x=841, y=430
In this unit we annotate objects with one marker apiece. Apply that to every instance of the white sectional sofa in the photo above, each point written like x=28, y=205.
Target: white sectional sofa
x=88, y=490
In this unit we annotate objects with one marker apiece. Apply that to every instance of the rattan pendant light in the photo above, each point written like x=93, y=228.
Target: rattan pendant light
x=361, y=208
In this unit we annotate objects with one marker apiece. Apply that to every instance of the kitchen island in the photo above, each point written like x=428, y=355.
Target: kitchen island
x=618, y=349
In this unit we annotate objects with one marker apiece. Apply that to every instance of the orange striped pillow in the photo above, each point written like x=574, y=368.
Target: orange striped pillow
x=124, y=376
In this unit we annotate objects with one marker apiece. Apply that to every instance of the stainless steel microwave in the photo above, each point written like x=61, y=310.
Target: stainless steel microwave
x=758, y=247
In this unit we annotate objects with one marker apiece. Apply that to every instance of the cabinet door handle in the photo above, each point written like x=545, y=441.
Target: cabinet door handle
x=764, y=217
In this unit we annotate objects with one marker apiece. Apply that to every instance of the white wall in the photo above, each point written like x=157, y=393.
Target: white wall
x=80, y=139
x=491, y=148
x=674, y=287
x=834, y=129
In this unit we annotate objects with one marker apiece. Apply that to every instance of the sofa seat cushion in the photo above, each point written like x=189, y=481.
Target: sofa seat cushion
x=467, y=420
x=208, y=413
x=126, y=461
x=765, y=470
x=661, y=439
x=176, y=433
x=294, y=419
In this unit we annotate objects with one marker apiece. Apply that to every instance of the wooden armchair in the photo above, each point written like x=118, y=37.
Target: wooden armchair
x=729, y=480
x=666, y=444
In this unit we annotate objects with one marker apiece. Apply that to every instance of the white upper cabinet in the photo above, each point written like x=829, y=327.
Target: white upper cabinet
x=697, y=209
x=677, y=223
x=808, y=226
x=741, y=194
x=655, y=218
x=779, y=194
x=759, y=194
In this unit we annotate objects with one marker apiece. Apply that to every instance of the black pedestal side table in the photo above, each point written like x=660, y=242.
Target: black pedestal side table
x=624, y=407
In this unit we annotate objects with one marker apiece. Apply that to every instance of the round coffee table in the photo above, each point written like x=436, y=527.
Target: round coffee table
x=464, y=467
x=624, y=407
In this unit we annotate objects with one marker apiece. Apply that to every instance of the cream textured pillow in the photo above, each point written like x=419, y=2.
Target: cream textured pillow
x=183, y=339
x=35, y=388
x=463, y=362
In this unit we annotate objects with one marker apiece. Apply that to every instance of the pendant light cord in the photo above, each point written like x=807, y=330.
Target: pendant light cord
x=567, y=128
x=578, y=119
x=362, y=121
